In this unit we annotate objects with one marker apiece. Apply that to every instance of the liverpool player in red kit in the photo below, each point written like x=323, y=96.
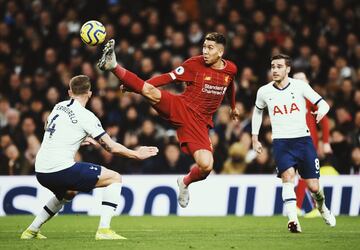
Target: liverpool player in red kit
x=208, y=77
x=325, y=129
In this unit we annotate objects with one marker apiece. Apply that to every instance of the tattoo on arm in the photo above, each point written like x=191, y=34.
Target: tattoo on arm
x=104, y=145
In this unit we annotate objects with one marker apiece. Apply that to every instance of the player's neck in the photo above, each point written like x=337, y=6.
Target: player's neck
x=81, y=99
x=282, y=84
x=220, y=64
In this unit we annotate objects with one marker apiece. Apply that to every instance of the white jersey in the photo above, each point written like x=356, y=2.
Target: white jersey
x=67, y=126
x=287, y=107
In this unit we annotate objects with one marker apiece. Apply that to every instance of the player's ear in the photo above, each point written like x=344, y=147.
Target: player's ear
x=89, y=93
x=221, y=50
x=70, y=93
x=288, y=69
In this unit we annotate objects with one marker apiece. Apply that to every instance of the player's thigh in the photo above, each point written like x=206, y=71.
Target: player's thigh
x=165, y=105
x=204, y=159
x=82, y=176
x=310, y=165
x=284, y=159
x=108, y=177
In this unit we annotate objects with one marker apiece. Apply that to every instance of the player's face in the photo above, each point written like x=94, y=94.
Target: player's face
x=212, y=52
x=279, y=70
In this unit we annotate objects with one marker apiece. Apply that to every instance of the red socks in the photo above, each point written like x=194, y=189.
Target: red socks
x=129, y=79
x=194, y=175
x=300, y=193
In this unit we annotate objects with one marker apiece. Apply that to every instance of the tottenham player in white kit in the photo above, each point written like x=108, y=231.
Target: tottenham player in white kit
x=68, y=126
x=293, y=148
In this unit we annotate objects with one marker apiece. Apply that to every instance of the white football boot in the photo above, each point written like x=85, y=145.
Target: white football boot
x=328, y=217
x=184, y=196
x=108, y=58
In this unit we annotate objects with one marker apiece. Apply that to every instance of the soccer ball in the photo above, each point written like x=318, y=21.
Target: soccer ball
x=93, y=33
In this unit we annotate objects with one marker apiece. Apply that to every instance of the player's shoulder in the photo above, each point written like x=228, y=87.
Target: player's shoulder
x=195, y=60
x=268, y=86
x=231, y=66
x=297, y=82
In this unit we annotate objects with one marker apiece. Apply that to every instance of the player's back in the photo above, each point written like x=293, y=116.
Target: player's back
x=67, y=125
x=206, y=86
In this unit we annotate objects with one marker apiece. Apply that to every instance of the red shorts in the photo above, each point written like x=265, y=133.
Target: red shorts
x=192, y=131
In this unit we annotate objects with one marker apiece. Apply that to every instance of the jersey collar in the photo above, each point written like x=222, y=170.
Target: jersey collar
x=282, y=88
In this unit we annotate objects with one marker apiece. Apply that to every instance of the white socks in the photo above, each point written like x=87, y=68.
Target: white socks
x=289, y=198
x=110, y=201
x=50, y=209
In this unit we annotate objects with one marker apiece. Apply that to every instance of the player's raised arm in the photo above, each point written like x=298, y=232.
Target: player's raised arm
x=160, y=80
x=116, y=148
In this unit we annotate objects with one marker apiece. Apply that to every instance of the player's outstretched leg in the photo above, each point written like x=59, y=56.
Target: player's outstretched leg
x=327, y=215
x=108, y=62
x=49, y=210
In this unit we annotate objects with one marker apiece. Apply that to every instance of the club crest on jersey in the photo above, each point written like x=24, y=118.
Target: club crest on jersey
x=207, y=78
x=180, y=70
x=226, y=79
x=283, y=110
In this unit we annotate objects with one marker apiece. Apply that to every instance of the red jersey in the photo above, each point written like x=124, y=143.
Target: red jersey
x=206, y=86
x=311, y=123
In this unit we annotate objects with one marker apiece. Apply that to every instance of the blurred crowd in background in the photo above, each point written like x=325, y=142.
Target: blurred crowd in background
x=40, y=50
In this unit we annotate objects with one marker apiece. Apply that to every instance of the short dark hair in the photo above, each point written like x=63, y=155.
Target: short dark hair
x=216, y=37
x=282, y=56
x=80, y=84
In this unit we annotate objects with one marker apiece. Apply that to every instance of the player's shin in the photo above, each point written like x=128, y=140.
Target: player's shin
x=129, y=79
x=110, y=201
x=51, y=208
x=289, y=198
x=195, y=174
x=319, y=198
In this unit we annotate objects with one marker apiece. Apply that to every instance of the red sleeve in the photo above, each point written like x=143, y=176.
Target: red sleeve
x=231, y=94
x=160, y=80
x=185, y=72
x=325, y=128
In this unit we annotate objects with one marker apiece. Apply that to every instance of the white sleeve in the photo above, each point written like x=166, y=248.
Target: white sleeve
x=260, y=102
x=256, y=121
x=92, y=126
x=310, y=94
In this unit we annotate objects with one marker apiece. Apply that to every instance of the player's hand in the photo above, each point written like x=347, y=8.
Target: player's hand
x=89, y=141
x=257, y=146
x=235, y=114
x=327, y=148
x=319, y=116
x=145, y=152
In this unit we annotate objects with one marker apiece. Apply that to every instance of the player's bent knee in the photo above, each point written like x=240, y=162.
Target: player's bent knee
x=313, y=188
x=151, y=92
x=114, y=177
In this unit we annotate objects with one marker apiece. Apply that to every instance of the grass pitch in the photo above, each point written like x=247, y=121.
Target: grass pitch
x=147, y=232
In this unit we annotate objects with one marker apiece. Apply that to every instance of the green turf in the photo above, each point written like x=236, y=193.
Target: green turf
x=77, y=232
